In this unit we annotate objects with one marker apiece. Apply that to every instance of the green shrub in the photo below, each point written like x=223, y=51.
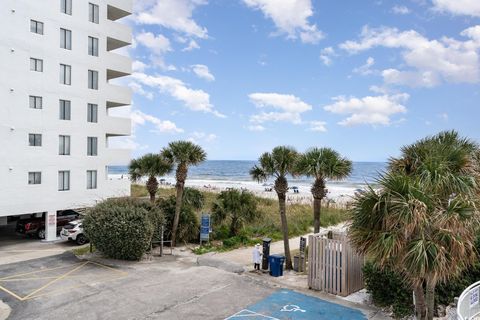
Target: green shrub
x=388, y=289
x=122, y=228
x=188, y=226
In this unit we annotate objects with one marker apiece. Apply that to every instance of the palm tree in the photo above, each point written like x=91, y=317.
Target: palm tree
x=183, y=154
x=278, y=164
x=322, y=164
x=422, y=220
x=150, y=165
x=237, y=206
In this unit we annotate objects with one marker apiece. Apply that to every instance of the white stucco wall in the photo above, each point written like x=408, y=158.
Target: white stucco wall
x=17, y=120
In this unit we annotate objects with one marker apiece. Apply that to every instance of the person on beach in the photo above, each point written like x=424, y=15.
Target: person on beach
x=257, y=257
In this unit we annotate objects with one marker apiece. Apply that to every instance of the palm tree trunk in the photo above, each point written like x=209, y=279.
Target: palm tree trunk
x=286, y=242
x=420, y=307
x=152, y=187
x=317, y=206
x=178, y=208
x=233, y=227
x=430, y=297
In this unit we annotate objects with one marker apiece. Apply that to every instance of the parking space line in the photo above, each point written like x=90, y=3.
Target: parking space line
x=38, y=271
x=55, y=280
x=11, y=293
x=114, y=275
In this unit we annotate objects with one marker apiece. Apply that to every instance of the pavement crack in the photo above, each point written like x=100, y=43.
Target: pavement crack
x=189, y=300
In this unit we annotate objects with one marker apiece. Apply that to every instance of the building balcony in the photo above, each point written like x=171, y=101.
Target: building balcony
x=117, y=9
x=119, y=35
x=117, y=126
x=117, y=96
x=117, y=65
x=117, y=156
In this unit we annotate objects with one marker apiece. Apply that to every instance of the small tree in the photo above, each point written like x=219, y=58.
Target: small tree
x=188, y=226
x=183, y=154
x=323, y=164
x=278, y=164
x=235, y=206
x=151, y=166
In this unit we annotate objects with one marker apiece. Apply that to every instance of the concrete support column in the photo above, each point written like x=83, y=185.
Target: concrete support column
x=51, y=225
x=3, y=221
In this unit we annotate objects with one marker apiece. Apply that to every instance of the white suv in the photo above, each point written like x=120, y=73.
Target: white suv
x=73, y=231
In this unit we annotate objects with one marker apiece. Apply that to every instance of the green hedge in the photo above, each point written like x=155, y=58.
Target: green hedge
x=188, y=226
x=122, y=228
x=388, y=289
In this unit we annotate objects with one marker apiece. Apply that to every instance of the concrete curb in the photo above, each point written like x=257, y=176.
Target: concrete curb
x=220, y=264
x=4, y=310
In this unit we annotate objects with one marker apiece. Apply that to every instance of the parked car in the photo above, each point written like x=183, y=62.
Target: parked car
x=36, y=226
x=73, y=231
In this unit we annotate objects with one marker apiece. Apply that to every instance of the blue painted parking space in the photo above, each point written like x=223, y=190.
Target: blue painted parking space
x=287, y=304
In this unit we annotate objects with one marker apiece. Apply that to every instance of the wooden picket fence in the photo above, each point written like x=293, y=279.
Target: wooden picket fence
x=333, y=266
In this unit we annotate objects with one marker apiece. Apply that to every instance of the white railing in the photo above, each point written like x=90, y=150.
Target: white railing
x=468, y=307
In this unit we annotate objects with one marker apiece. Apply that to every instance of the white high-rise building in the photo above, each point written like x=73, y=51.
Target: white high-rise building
x=58, y=58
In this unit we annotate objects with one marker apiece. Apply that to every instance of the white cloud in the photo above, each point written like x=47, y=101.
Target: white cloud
x=196, y=100
x=202, y=72
x=318, y=126
x=443, y=116
x=138, y=89
x=458, y=7
x=290, y=107
x=162, y=126
x=191, y=46
x=172, y=14
x=429, y=62
x=400, y=10
x=138, y=66
x=159, y=44
x=197, y=137
x=370, y=110
x=366, y=68
x=291, y=17
x=326, y=55
x=256, y=127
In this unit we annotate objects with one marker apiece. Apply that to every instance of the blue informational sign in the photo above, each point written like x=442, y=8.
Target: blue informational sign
x=205, y=227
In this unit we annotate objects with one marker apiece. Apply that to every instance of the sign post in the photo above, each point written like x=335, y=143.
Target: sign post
x=205, y=228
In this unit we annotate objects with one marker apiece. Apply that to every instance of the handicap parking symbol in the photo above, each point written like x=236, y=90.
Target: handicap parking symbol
x=291, y=308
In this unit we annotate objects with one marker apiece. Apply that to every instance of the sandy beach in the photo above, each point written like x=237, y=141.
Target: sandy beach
x=338, y=195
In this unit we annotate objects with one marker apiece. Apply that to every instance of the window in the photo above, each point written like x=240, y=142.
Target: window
x=65, y=39
x=65, y=109
x=92, y=146
x=36, y=26
x=34, y=178
x=63, y=180
x=93, y=46
x=64, y=145
x=34, y=140
x=91, y=179
x=66, y=6
x=93, y=13
x=65, y=74
x=36, y=102
x=92, y=79
x=36, y=64
x=92, y=112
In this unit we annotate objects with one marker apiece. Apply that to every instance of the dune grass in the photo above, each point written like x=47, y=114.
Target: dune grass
x=300, y=221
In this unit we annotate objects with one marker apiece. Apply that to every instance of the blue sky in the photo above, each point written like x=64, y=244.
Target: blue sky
x=240, y=77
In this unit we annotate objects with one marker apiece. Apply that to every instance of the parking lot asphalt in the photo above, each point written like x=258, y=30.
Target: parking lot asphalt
x=15, y=247
x=171, y=287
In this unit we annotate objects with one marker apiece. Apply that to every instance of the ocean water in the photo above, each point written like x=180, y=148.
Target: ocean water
x=235, y=172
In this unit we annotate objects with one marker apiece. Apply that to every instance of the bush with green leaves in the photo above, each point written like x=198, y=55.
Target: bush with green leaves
x=388, y=289
x=122, y=228
x=188, y=226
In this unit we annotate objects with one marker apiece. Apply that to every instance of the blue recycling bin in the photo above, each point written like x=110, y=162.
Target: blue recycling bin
x=276, y=265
